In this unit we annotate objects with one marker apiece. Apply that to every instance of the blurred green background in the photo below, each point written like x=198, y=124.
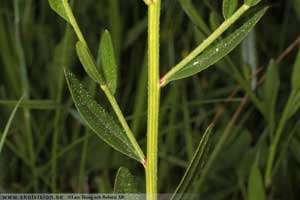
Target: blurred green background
x=48, y=147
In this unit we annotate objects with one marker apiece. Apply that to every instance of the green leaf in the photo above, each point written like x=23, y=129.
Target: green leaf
x=8, y=124
x=218, y=50
x=271, y=88
x=296, y=73
x=294, y=104
x=252, y=2
x=58, y=7
x=294, y=100
x=108, y=61
x=88, y=62
x=98, y=119
x=125, y=182
x=256, y=190
x=229, y=7
x=194, y=166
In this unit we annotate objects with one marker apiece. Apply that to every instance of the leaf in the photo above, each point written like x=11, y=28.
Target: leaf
x=229, y=7
x=108, y=61
x=218, y=50
x=296, y=73
x=58, y=7
x=98, y=119
x=294, y=104
x=294, y=100
x=194, y=166
x=252, y=2
x=271, y=88
x=125, y=182
x=88, y=63
x=256, y=190
x=8, y=124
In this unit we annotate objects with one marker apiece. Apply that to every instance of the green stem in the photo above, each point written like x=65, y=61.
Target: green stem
x=274, y=144
x=215, y=35
x=123, y=122
x=105, y=89
x=25, y=89
x=73, y=22
x=153, y=99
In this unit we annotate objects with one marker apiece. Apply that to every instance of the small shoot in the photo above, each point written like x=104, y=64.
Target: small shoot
x=8, y=124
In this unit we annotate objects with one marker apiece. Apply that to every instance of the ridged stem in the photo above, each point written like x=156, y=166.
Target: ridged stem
x=153, y=99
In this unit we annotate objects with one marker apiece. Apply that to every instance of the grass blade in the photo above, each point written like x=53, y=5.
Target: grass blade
x=296, y=73
x=256, y=189
x=194, y=165
x=220, y=49
x=271, y=89
x=98, y=119
x=194, y=15
x=125, y=182
x=58, y=7
x=108, y=61
x=33, y=104
x=8, y=124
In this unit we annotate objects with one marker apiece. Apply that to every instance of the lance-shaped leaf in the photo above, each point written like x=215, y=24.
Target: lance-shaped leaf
x=108, y=62
x=194, y=166
x=294, y=99
x=256, y=190
x=88, y=62
x=229, y=7
x=58, y=7
x=271, y=88
x=219, y=49
x=98, y=119
x=125, y=182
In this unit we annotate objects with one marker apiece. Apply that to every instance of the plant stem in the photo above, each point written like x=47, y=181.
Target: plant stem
x=105, y=89
x=215, y=35
x=73, y=22
x=25, y=90
x=273, y=147
x=153, y=99
x=123, y=122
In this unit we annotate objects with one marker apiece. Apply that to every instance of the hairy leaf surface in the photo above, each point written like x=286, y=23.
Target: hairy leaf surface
x=98, y=119
x=218, y=50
